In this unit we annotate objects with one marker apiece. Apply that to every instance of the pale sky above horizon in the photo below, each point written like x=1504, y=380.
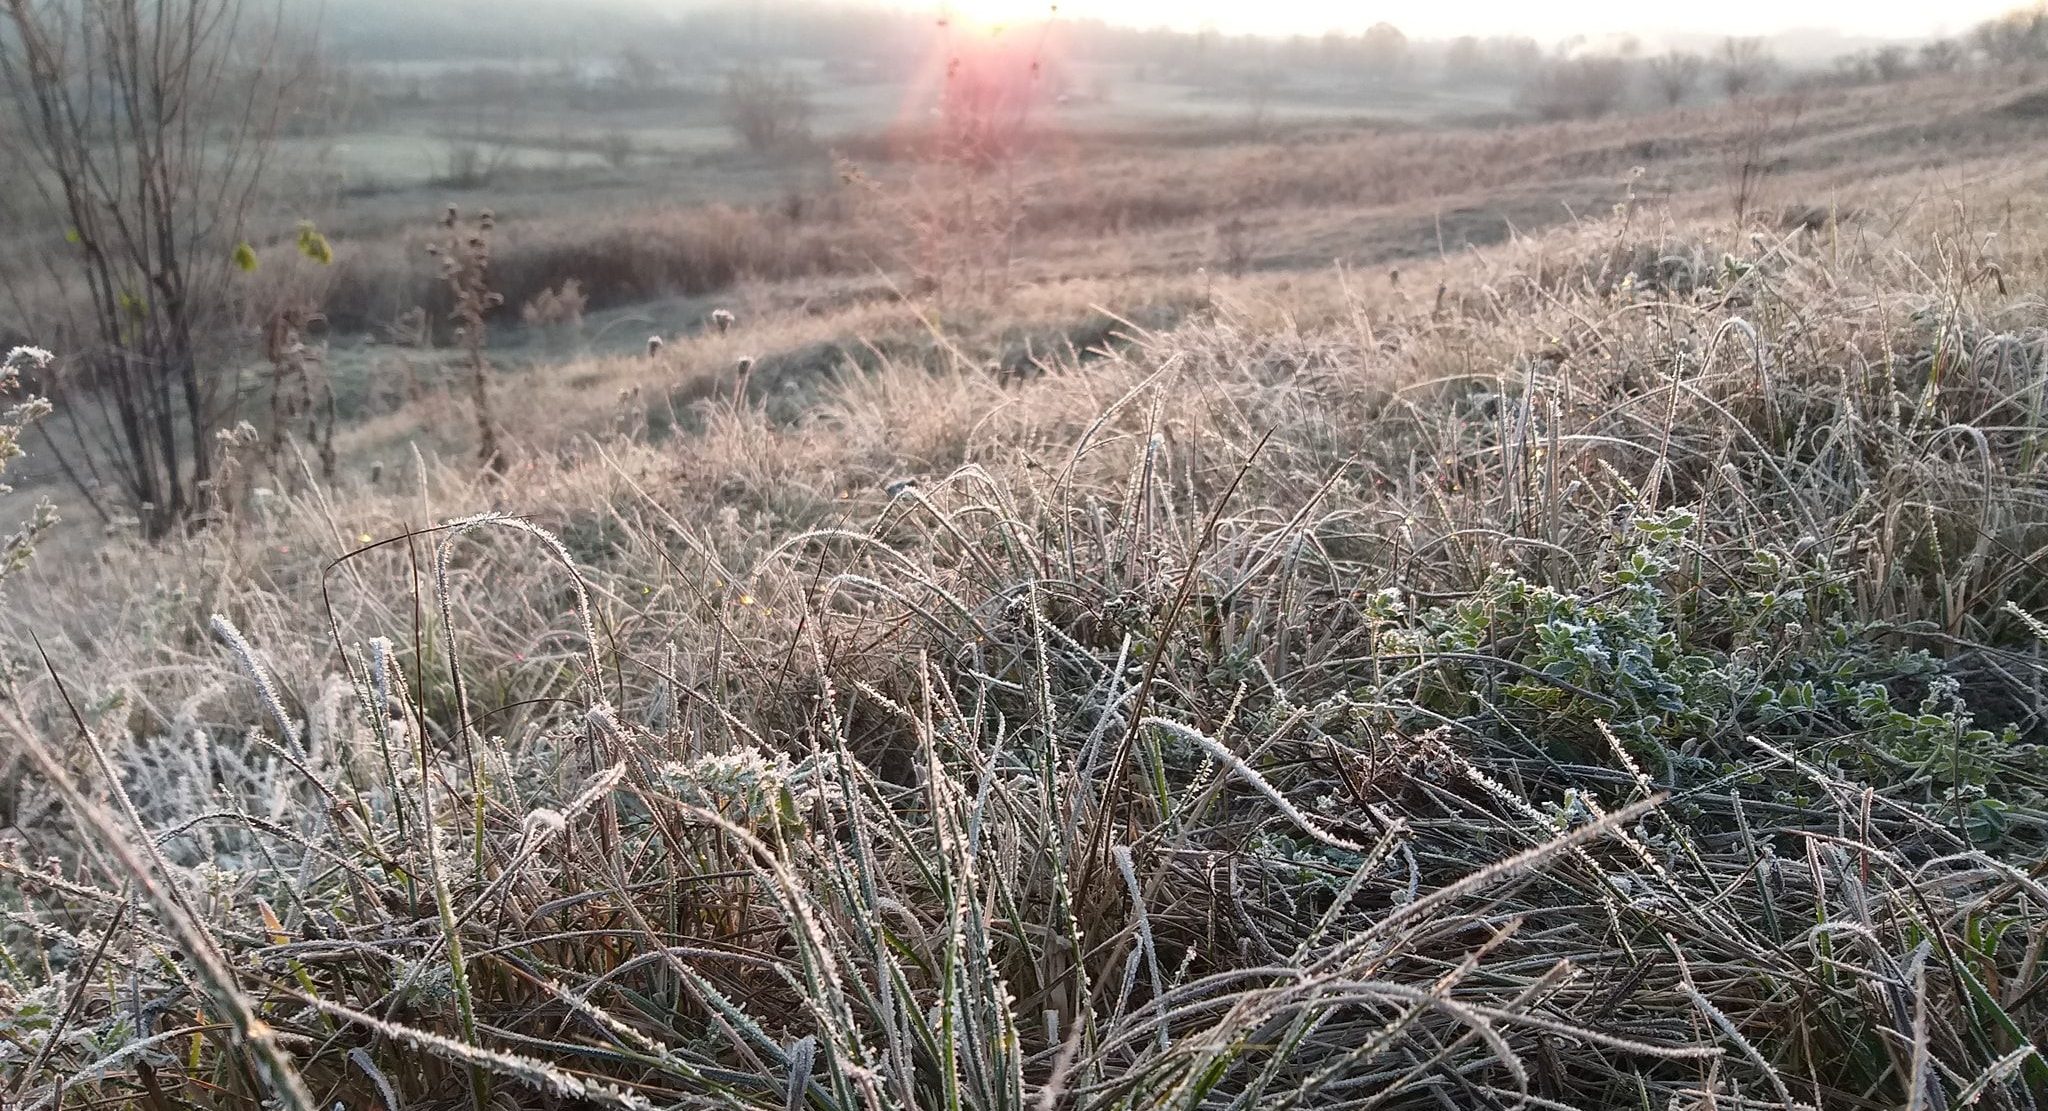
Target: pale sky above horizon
x=1447, y=18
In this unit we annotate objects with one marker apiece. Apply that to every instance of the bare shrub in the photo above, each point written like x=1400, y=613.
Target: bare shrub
x=1856, y=69
x=471, y=163
x=1385, y=53
x=1941, y=56
x=615, y=259
x=617, y=148
x=1260, y=84
x=2016, y=37
x=16, y=419
x=956, y=223
x=1676, y=73
x=151, y=124
x=1745, y=64
x=1577, y=88
x=766, y=108
x=560, y=307
x=1891, y=63
x=1234, y=245
x=301, y=393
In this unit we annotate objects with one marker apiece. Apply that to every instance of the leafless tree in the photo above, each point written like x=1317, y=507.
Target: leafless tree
x=639, y=70
x=1385, y=51
x=1856, y=69
x=1464, y=59
x=1891, y=63
x=1261, y=83
x=1941, y=56
x=2018, y=36
x=766, y=109
x=1745, y=62
x=150, y=122
x=1675, y=73
x=1577, y=88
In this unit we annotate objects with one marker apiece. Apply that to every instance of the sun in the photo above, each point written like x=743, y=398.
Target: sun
x=996, y=15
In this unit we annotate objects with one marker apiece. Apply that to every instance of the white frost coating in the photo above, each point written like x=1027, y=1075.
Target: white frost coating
x=1258, y=783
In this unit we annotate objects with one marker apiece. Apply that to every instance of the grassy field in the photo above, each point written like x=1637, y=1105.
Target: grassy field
x=1332, y=615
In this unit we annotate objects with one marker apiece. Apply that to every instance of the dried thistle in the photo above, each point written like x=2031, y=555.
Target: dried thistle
x=465, y=267
x=745, y=369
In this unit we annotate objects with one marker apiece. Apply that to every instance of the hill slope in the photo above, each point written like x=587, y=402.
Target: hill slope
x=1615, y=679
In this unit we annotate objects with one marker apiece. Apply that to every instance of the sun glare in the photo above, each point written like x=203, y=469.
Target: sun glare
x=997, y=15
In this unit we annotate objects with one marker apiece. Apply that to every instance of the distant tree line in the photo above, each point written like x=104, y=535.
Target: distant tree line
x=1571, y=83
x=636, y=54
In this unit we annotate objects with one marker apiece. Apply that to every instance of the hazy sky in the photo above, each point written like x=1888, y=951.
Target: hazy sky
x=1547, y=20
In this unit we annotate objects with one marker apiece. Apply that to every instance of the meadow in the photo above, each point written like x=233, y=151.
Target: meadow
x=1335, y=613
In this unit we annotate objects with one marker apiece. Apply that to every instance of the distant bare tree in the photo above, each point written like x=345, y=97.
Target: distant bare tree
x=1334, y=50
x=1385, y=51
x=152, y=123
x=1890, y=63
x=1676, y=73
x=1261, y=82
x=1856, y=69
x=616, y=147
x=638, y=69
x=472, y=161
x=766, y=109
x=1518, y=55
x=1941, y=56
x=1577, y=88
x=1600, y=84
x=1745, y=62
x=2017, y=36
x=1463, y=60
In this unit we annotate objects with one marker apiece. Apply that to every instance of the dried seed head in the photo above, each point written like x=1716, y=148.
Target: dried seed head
x=27, y=356
x=722, y=320
x=654, y=345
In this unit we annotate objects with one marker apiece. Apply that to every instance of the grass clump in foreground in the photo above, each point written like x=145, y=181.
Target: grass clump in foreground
x=1595, y=695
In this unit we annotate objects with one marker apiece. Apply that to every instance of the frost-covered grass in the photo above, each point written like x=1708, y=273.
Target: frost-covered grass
x=1618, y=684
